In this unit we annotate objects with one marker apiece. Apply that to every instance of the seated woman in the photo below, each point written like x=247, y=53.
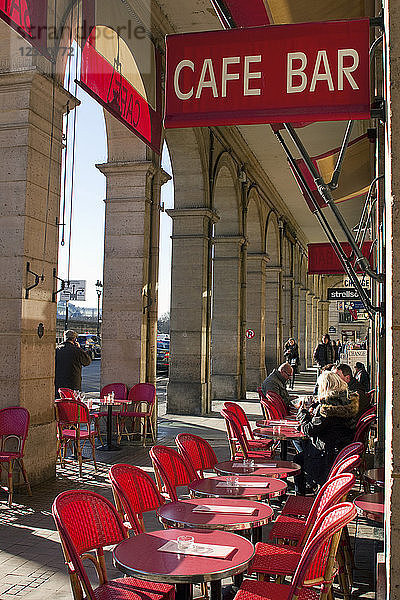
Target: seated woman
x=329, y=428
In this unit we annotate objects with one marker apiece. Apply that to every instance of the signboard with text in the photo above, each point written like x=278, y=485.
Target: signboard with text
x=344, y=294
x=28, y=18
x=292, y=73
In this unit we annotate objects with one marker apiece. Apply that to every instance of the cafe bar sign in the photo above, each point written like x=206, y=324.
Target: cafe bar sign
x=279, y=73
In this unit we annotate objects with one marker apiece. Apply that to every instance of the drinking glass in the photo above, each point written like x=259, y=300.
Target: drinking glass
x=185, y=542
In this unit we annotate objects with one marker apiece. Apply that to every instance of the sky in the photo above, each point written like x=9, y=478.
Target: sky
x=88, y=208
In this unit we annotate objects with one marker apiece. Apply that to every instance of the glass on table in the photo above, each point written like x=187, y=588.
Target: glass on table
x=185, y=542
x=248, y=464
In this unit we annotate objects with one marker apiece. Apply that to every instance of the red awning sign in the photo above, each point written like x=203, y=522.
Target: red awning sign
x=28, y=18
x=279, y=73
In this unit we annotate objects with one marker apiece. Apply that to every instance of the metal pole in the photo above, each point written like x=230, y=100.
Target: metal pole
x=329, y=232
x=98, y=312
x=325, y=192
x=66, y=316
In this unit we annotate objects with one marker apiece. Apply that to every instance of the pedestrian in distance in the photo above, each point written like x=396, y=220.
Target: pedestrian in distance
x=361, y=375
x=70, y=358
x=291, y=353
x=324, y=353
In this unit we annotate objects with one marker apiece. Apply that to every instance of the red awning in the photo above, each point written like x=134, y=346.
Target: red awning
x=322, y=259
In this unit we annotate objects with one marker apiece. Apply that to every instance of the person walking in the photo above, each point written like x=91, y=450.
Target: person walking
x=70, y=358
x=324, y=353
x=361, y=375
x=291, y=354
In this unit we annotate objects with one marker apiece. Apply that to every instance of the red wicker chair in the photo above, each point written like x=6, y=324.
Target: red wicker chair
x=301, y=505
x=254, y=444
x=314, y=565
x=237, y=439
x=134, y=493
x=67, y=394
x=141, y=394
x=196, y=451
x=87, y=523
x=171, y=471
x=73, y=425
x=14, y=425
x=296, y=529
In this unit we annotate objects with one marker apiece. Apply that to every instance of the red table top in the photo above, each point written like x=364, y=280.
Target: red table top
x=371, y=505
x=376, y=476
x=180, y=514
x=292, y=423
x=284, y=433
x=138, y=556
x=267, y=489
x=278, y=468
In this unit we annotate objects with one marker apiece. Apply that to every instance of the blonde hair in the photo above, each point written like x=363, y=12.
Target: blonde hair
x=330, y=384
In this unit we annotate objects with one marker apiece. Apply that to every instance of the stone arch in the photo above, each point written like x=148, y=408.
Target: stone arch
x=272, y=244
x=254, y=229
x=226, y=198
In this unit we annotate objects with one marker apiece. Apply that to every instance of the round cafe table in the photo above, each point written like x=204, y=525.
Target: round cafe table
x=283, y=433
x=270, y=468
x=210, y=486
x=140, y=557
x=375, y=477
x=109, y=446
x=371, y=506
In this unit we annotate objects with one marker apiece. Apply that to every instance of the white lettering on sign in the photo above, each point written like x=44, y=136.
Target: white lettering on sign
x=296, y=80
x=182, y=95
x=207, y=77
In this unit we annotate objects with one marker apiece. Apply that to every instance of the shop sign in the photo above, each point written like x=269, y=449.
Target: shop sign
x=28, y=18
x=76, y=290
x=364, y=280
x=279, y=73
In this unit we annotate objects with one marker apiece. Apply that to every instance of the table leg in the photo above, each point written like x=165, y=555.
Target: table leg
x=238, y=580
x=183, y=591
x=109, y=446
x=284, y=449
x=216, y=589
x=256, y=534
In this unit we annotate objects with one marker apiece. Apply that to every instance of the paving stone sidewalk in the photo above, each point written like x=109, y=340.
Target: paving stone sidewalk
x=31, y=560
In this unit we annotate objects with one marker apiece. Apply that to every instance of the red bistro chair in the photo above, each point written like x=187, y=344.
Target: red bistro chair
x=315, y=565
x=296, y=529
x=196, y=451
x=14, y=425
x=87, y=523
x=254, y=444
x=67, y=393
x=73, y=424
x=142, y=398
x=269, y=411
x=301, y=505
x=362, y=429
x=238, y=441
x=134, y=493
x=171, y=471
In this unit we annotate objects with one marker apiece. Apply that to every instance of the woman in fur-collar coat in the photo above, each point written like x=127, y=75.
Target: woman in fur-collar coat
x=329, y=428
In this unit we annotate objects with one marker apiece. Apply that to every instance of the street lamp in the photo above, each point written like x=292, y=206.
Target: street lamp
x=99, y=289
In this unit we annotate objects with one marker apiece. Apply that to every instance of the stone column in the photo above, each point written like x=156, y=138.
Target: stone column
x=302, y=327
x=189, y=378
x=325, y=315
x=321, y=318
x=29, y=208
x=295, y=310
x=226, y=382
x=287, y=316
x=255, y=347
x=315, y=335
x=272, y=317
x=309, y=329
x=127, y=293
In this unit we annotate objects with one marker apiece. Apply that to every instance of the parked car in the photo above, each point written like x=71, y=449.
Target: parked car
x=163, y=356
x=91, y=343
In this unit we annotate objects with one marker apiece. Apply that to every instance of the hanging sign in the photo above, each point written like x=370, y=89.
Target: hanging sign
x=279, y=73
x=121, y=68
x=28, y=18
x=344, y=294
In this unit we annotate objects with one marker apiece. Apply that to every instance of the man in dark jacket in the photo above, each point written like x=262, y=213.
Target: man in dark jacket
x=277, y=381
x=345, y=373
x=70, y=359
x=361, y=375
x=324, y=353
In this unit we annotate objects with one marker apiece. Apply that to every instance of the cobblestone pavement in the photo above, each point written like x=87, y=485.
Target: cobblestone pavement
x=31, y=561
